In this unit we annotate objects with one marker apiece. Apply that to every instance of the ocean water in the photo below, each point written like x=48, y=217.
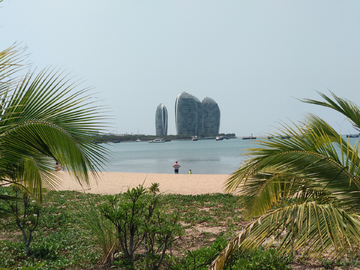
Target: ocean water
x=202, y=157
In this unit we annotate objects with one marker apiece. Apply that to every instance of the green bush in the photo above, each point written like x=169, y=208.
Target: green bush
x=141, y=222
x=201, y=258
x=60, y=240
x=258, y=259
x=262, y=259
x=24, y=211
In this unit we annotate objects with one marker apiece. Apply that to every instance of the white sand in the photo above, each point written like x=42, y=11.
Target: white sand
x=115, y=182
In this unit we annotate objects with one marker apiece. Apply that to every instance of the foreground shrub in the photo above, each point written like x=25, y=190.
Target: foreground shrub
x=258, y=259
x=60, y=240
x=262, y=259
x=201, y=258
x=144, y=230
x=24, y=211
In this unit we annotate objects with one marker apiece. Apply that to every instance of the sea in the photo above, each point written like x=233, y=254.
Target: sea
x=201, y=157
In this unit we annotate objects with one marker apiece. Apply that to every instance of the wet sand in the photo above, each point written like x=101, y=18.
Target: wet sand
x=116, y=182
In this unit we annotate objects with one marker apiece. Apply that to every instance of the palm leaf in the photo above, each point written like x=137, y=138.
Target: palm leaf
x=306, y=189
x=344, y=106
x=325, y=228
x=307, y=163
x=11, y=62
x=46, y=118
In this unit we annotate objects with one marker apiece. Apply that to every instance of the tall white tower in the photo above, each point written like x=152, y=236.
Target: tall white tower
x=161, y=120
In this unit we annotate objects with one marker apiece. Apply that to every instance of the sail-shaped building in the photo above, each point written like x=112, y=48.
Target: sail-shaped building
x=211, y=116
x=161, y=120
x=192, y=117
x=188, y=115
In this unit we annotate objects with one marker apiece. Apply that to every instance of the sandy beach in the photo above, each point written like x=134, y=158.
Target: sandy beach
x=116, y=182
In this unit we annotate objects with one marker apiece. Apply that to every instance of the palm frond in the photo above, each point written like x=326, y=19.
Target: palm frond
x=344, y=106
x=306, y=189
x=45, y=118
x=11, y=62
x=309, y=162
x=297, y=227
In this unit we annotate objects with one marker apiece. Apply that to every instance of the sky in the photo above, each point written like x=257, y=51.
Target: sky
x=255, y=58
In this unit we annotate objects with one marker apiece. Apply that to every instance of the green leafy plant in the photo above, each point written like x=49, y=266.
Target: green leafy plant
x=126, y=212
x=36, y=267
x=60, y=240
x=25, y=212
x=139, y=221
x=202, y=257
x=261, y=259
x=257, y=259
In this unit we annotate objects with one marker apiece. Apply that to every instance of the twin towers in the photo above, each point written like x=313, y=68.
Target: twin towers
x=192, y=117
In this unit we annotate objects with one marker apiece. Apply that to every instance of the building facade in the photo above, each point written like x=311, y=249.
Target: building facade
x=211, y=116
x=188, y=115
x=161, y=120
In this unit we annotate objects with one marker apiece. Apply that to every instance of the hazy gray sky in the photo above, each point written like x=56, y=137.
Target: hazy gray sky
x=254, y=58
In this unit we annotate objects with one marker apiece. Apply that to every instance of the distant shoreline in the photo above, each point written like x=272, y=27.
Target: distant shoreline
x=116, y=138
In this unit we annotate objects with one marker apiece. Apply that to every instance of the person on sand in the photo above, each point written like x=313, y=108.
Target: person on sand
x=190, y=172
x=57, y=166
x=176, y=166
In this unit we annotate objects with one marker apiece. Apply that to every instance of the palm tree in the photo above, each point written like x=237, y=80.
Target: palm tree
x=303, y=192
x=45, y=118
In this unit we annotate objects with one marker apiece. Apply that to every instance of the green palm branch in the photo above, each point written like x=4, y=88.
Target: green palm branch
x=310, y=228
x=45, y=118
x=349, y=109
x=302, y=191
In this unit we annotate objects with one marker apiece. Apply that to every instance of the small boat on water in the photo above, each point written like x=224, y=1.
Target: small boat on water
x=195, y=138
x=352, y=136
x=138, y=140
x=157, y=141
x=249, y=138
x=219, y=138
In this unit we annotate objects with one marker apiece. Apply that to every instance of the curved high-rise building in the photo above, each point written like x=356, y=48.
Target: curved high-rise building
x=161, y=120
x=200, y=117
x=211, y=111
x=188, y=115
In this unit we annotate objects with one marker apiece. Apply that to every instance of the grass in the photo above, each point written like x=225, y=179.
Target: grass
x=62, y=241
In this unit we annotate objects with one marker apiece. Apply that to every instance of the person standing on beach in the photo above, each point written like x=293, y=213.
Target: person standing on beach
x=57, y=166
x=176, y=166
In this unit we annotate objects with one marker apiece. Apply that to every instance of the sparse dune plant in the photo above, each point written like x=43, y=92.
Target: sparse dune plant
x=102, y=231
x=303, y=191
